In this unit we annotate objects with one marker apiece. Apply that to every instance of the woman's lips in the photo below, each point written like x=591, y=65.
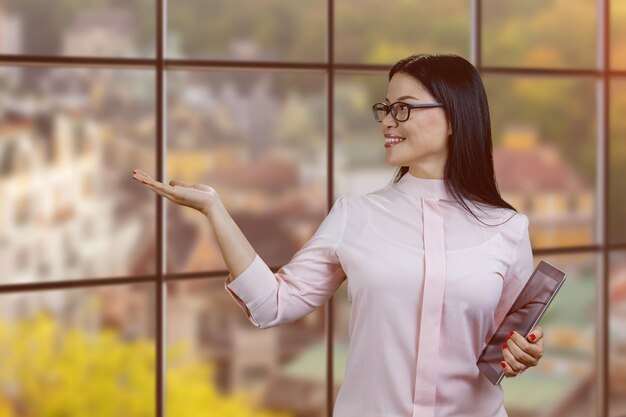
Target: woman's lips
x=389, y=144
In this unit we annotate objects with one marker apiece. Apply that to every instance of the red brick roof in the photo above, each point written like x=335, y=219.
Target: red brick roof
x=541, y=168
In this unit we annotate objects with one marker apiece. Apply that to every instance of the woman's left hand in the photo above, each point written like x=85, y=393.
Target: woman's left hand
x=520, y=353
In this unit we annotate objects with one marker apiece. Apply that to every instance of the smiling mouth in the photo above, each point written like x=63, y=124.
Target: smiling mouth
x=389, y=142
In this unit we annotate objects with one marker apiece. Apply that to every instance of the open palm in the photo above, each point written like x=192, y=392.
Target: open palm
x=197, y=196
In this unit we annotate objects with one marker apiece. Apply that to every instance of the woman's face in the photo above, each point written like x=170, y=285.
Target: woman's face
x=425, y=148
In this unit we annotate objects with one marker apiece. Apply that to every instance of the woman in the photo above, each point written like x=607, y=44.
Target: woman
x=429, y=279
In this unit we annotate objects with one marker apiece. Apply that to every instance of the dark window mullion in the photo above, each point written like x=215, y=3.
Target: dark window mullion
x=330, y=177
x=475, y=33
x=161, y=257
x=603, y=111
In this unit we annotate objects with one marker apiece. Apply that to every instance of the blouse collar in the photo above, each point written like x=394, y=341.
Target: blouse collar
x=423, y=187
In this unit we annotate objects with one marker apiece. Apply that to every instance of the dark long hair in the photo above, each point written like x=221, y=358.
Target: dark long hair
x=453, y=81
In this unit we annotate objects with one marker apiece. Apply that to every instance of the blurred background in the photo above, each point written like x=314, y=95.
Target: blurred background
x=254, y=105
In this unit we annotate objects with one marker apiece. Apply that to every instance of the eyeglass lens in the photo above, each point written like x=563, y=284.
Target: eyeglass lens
x=379, y=112
x=400, y=111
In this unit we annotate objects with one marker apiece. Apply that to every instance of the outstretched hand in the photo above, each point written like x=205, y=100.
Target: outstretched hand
x=197, y=196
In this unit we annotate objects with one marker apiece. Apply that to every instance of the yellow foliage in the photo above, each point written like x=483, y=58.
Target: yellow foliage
x=51, y=371
x=386, y=52
x=5, y=409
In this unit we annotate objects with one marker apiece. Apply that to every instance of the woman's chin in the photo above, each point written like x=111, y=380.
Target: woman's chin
x=392, y=159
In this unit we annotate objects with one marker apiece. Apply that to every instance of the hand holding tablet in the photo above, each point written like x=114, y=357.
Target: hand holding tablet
x=527, y=310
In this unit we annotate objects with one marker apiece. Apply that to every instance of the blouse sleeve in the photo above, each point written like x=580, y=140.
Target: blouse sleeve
x=518, y=272
x=306, y=282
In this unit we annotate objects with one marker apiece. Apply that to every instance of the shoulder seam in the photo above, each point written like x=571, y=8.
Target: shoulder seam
x=519, y=242
x=344, y=220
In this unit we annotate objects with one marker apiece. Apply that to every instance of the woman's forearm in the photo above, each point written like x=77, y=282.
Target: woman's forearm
x=237, y=252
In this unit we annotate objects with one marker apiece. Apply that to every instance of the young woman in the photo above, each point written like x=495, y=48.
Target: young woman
x=434, y=260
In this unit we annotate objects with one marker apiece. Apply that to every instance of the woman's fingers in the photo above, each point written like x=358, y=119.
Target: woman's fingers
x=508, y=371
x=162, y=191
x=146, y=179
x=139, y=174
x=142, y=177
x=156, y=186
x=200, y=187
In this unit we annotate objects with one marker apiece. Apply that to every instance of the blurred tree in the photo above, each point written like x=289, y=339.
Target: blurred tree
x=562, y=110
x=618, y=35
x=374, y=32
x=617, y=165
x=513, y=32
x=280, y=30
x=49, y=372
x=5, y=408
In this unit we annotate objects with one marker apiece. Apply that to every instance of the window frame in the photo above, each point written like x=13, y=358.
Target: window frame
x=602, y=74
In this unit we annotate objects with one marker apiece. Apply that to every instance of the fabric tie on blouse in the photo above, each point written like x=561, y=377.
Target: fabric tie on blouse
x=430, y=191
x=432, y=306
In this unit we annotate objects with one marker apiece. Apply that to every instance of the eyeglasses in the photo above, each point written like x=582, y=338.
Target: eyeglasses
x=399, y=111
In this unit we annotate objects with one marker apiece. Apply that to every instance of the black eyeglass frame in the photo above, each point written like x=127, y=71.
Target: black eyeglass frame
x=388, y=108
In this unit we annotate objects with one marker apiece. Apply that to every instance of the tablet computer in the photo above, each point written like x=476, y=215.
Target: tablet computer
x=527, y=310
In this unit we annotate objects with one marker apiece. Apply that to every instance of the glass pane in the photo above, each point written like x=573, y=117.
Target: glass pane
x=76, y=353
x=360, y=165
x=618, y=34
x=544, y=154
x=617, y=162
x=259, y=139
x=247, y=30
x=539, y=33
x=69, y=140
x=617, y=334
x=103, y=28
x=220, y=361
x=564, y=380
x=379, y=32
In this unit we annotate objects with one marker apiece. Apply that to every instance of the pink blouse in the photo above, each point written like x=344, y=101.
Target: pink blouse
x=428, y=286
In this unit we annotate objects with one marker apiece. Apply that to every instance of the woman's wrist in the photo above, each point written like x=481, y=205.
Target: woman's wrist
x=214, y=210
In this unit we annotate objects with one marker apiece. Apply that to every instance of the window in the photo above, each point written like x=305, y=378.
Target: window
x=237, y=94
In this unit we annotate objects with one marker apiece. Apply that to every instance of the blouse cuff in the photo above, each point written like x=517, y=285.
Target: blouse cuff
x=251, y=289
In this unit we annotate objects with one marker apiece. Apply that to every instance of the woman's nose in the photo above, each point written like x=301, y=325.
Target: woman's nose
x=389, y=120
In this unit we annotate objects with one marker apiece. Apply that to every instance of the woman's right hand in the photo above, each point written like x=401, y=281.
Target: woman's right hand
x=198, y=196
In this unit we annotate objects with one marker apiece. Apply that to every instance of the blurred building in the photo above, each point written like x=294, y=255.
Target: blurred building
x=55, y=222
x=103, y=31
x=559, y=202
x=10, y=32
x=11, y=29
